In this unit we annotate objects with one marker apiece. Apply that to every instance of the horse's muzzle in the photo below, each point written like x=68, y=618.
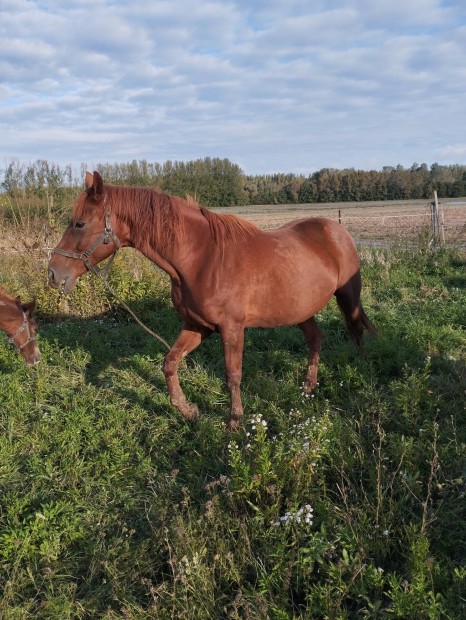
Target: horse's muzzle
x=32, y=360
x=52, y=279
x=58, y=280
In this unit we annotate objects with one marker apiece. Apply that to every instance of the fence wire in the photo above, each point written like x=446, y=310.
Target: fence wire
x=381, y=223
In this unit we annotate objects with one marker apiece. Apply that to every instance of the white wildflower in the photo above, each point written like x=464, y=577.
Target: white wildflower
x=303, y=515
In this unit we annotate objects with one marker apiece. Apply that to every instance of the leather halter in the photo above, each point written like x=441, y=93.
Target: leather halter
x=20, y=330
x=104, y=238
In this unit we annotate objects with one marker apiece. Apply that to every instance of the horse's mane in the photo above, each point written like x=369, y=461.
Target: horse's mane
x=156, y=216
x=225, y=227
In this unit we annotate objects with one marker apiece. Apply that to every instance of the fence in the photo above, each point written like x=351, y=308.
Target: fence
x=378, y=223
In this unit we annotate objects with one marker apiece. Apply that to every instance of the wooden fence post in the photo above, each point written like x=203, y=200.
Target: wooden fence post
x=438, y=231
x=442, y=225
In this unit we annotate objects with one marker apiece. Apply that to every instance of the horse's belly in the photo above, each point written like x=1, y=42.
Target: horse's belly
x=288, y=302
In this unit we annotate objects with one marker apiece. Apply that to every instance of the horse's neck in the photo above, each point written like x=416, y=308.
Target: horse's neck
x=5, y=305
x=192, y=235
x=195, y=230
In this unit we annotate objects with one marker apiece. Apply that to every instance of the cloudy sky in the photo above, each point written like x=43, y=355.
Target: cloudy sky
x=272, y=85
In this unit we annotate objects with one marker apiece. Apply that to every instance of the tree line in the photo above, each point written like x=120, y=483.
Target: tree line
x=217, y=182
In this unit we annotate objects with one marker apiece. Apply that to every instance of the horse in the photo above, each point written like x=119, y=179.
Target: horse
x=226, y=274
x=17, y=321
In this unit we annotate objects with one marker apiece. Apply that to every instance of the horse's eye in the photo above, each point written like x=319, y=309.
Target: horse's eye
x=79, y=224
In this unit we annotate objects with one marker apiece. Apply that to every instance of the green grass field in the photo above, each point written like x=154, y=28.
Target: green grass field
x=350, y=504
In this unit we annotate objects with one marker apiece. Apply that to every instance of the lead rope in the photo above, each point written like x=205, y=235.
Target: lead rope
x=128, y=309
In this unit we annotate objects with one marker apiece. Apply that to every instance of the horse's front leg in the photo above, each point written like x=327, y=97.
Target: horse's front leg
x=233, y=342
x=188, y=339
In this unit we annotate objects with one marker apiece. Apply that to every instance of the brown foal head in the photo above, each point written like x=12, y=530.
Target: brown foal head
x=18, y=322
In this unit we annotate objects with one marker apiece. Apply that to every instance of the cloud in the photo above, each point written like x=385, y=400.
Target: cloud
x=453, y=153
x=273, y=86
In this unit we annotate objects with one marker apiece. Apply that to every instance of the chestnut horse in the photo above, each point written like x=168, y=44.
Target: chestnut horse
x=17, y=321
x=226, y=274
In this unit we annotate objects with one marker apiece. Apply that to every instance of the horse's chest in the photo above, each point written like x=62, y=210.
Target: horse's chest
x=190, y=308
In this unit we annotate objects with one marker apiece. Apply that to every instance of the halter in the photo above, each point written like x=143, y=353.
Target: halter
x=21, y=329
x=104, y=238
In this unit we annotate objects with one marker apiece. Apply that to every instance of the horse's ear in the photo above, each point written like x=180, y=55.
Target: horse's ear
x=89, y=182
x=29, y=307
x=94, y=185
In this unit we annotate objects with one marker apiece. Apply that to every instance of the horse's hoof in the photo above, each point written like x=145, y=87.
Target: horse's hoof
x=233, y=424
x=190, y=412
x=309, y=386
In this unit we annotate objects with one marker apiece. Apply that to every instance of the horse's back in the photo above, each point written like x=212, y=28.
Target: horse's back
x=327, y=239
x=285, y=275
x=317, y=230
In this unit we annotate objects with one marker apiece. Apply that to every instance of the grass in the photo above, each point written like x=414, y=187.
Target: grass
x=350, y=504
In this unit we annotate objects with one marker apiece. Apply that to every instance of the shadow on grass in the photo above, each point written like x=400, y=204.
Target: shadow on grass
x=111, y=339
x=118, y=349
x=114, y=343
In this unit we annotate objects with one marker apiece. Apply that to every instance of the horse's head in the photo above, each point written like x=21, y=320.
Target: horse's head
x=88, y=240
x=21, y=328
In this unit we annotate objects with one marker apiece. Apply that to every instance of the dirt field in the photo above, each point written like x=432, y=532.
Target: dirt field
x=370, y=223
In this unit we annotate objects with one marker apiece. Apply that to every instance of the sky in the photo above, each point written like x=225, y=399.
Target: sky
x=272, y=85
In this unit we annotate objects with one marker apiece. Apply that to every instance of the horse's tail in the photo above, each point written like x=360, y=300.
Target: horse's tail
x=349, y=302
x=366, y=323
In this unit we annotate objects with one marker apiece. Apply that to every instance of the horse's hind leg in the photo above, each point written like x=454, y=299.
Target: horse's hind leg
x=314, y=342
x=188, y=339
x=233, y=343
x=348, y=299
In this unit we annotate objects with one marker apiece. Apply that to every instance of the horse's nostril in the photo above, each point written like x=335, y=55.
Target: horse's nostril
x=51, y=275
